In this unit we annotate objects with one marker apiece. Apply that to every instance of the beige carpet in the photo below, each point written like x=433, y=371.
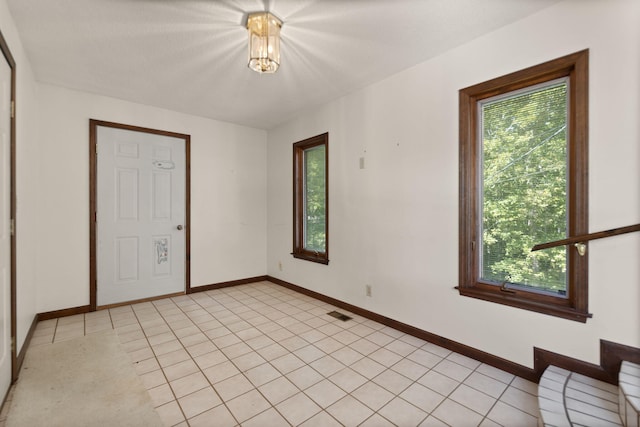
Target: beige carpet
x=87, y=381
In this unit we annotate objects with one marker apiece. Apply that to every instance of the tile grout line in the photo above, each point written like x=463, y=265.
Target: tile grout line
x=191, y=358
x=282, y=375
x=280, y=372
x=486, y=417
x=256, y=388
x=285, y=375
x=156, y=357
x=246, y=304
x=219, y=349
x=230, y=360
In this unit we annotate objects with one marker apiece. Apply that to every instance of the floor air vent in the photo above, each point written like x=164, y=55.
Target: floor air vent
x=340, y=316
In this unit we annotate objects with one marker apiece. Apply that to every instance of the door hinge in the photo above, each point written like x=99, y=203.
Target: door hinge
x=12, y=226
x=96, y=148
x=13, y=345
x=13, y=109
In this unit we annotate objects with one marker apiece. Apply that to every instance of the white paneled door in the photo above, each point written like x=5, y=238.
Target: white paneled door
x=140, y=215
x=5, y=227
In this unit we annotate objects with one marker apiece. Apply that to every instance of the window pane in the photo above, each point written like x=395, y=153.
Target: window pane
x=524, y=187
x=314, y=199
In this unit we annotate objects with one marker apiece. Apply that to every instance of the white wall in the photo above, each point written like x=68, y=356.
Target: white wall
x=228, y=190
x=26, y=178
x=394, y=224
x=228, y=193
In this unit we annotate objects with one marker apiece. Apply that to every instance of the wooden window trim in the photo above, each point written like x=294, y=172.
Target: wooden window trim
x=298, y=199
x=575, y=306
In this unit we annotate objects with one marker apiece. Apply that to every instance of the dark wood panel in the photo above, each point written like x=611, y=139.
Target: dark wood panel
x=64, y=312
x=612, y=354
x=544, y=358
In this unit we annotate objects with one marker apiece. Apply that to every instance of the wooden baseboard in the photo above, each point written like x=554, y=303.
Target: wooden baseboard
x=227, y=284
x=87, y=308
x=611, y=354
x=64, y=312
x=139, y=301
x=23, y=351
x=481, y=356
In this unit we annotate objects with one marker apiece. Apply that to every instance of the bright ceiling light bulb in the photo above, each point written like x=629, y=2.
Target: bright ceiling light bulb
x=264, y=42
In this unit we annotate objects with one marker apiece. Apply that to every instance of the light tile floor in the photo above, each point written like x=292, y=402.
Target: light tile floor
x=264, y=355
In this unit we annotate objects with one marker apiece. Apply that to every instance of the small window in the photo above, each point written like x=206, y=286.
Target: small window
x=310, y=199
x=523, y=181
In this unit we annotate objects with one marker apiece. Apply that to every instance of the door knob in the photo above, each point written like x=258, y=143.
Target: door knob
x=179, y=227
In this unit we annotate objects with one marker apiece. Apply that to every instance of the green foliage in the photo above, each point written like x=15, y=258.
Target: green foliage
x=315, y=195
x=525, y=188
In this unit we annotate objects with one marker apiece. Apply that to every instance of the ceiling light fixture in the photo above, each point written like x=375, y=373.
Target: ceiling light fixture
x=264, y=42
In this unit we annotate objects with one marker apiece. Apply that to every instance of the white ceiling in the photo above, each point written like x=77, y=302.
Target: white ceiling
x=190, y=55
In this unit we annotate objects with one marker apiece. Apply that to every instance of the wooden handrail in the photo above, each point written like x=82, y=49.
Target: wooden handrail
x=586, y=237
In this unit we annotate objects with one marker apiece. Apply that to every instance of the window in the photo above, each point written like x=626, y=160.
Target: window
x=523, y=181
x=310, y=199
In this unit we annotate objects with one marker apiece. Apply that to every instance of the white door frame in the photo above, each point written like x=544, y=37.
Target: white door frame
x=93, y=168
x=15, y=361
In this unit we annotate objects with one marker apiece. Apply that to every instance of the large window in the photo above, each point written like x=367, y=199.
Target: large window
x=310, y=199
x=523, y=181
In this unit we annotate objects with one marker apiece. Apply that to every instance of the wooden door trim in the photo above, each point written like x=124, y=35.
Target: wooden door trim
x=4, y=47
x=93, y=194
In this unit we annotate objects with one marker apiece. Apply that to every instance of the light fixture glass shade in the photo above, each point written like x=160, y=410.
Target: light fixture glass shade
x=264, y=42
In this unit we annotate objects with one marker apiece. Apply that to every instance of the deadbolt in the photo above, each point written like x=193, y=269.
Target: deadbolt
x=179, y=227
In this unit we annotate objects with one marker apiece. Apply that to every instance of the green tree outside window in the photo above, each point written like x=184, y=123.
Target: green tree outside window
x=314, y=199
x=524, y=187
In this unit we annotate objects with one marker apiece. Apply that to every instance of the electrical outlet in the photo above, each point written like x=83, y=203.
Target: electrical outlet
x=280, y=265
x=368, y=290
